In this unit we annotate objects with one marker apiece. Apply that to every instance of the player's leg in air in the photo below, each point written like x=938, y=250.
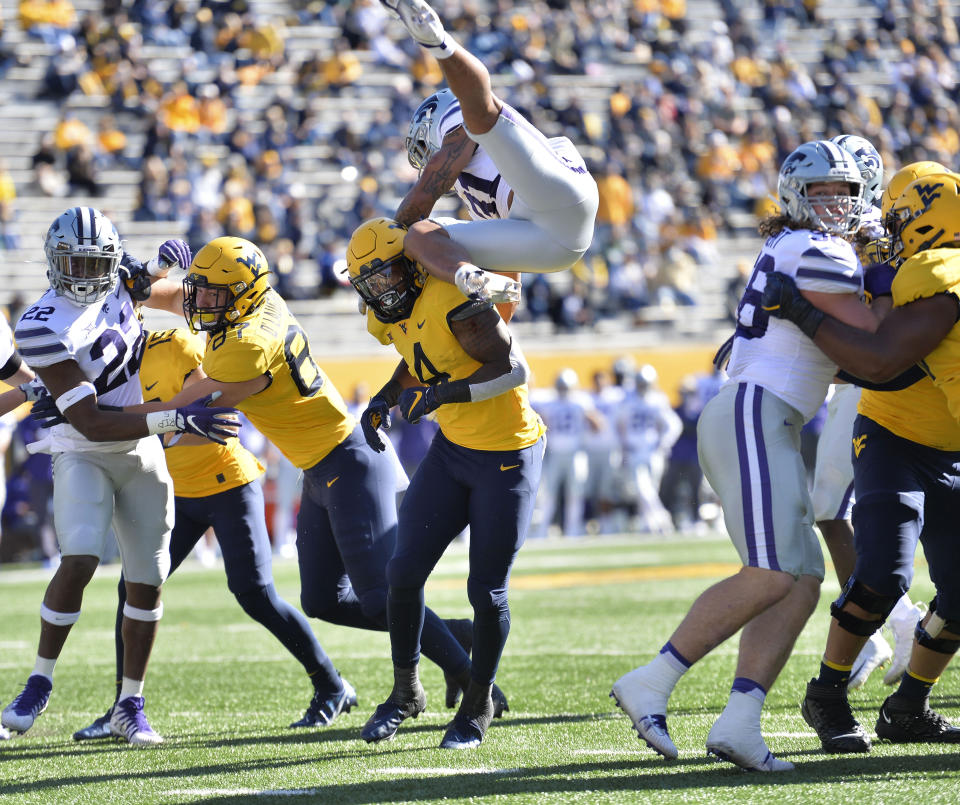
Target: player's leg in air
x=554, y=198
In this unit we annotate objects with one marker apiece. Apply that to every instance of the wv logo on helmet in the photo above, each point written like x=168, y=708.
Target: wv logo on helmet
x=928, y=193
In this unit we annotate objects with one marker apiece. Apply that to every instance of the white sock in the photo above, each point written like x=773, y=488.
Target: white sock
x=663, y=673
x=447, y=47
x=743, y=707
x=902, y=609
x=130, y=687
x=44, y=667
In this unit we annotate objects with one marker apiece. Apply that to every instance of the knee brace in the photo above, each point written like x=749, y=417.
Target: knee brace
x=58, y=618
x=874, y=603
x=929, y=636
x=145, y=615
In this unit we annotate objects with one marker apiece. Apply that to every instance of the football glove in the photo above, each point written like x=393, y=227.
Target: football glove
x=477, y=284
x=416, y=402
x=199, y=419
x=878, y=280
x=33, y=390
x=135, y=277
x=45, y=412
x=375, y=416
x=783, y=300
x=174, y=252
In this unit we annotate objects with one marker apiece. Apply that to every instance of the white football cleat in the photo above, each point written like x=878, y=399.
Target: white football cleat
x=29, y=705
x=475, y=283
x=421, y=21
x=647, y=710
x=742, y=744
x=876, y=653
x=902, y=628
x=129, y=722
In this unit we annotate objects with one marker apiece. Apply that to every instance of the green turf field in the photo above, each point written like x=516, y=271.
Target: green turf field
x=222, y=691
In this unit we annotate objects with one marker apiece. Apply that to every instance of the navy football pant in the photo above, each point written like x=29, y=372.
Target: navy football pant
x=346, y=533
x=906, y=493
x=491, y=491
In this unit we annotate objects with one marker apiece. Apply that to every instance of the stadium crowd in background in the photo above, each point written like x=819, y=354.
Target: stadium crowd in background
x=688, y=137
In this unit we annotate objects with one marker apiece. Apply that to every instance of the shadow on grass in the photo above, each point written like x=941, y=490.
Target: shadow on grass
x=645, y=773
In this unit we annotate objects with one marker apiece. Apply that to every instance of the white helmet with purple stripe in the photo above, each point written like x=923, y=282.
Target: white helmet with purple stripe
x=83, y=255
x=869, y=162
x=437, y=115
x=821, y=162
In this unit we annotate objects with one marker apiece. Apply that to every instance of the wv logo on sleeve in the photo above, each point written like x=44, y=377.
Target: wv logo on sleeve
x=858, y=444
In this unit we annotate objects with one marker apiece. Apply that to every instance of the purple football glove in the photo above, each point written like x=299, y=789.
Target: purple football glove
x=45, y=412
x=215, y=424
x=174, y=252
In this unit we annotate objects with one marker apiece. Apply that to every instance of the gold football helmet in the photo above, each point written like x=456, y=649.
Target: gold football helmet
x=387, y=280
x=226, y=279
x=926, y=215
x=879, y=249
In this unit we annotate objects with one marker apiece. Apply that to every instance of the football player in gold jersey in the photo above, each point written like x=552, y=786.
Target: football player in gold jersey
x=906, y=448
x=215, y=486
x=259, y=358
x=482, y=468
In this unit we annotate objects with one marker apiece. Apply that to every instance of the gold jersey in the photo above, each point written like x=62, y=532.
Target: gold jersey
x=433, y=354
x=197, y=470
x=919, y=413
x=926, y=274
x=301, y=411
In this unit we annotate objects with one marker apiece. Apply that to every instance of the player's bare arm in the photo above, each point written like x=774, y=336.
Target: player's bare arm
x=438, y=177
x=905, y=336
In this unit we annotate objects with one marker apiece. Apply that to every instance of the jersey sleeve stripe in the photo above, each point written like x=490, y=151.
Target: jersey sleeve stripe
x=32, y=332
x=819, y=274
x=47, y=349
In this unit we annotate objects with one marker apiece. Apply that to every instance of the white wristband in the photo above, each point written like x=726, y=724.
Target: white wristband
x=74, y=395
x=162, y=422
x=155, y=269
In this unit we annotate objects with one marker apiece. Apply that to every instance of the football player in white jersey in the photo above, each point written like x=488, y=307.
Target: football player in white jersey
x=778, y=380
x=832, y=492
x=567, y=414
x=85, y=342
x=532, y=199
x=648, y=427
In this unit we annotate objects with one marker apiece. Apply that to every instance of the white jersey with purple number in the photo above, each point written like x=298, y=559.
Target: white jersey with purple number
x=480, y=185
x=774, y=353
x=105, y=339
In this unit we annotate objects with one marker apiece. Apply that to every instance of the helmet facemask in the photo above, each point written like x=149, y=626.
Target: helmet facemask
x=822, y=162
x=390, y=289
x=83, y=254
x=207, y=307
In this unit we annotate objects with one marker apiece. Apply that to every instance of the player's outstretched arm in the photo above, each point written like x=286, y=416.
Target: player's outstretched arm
x=76, y=399
x=437, y=177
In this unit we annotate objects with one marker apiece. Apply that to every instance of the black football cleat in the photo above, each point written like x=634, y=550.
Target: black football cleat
x=826, y=709
x=325, y=707
x=904, y=720
x=99, y=729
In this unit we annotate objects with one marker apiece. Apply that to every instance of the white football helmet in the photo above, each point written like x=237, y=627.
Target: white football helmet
x=869, y=162
x=423, y=138
x=83, y=255
x=817, y=162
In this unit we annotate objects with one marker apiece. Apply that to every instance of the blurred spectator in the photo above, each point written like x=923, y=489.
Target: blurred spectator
x=49, y=179
x=82, y=171
x=47, y=20
x=9, y=231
